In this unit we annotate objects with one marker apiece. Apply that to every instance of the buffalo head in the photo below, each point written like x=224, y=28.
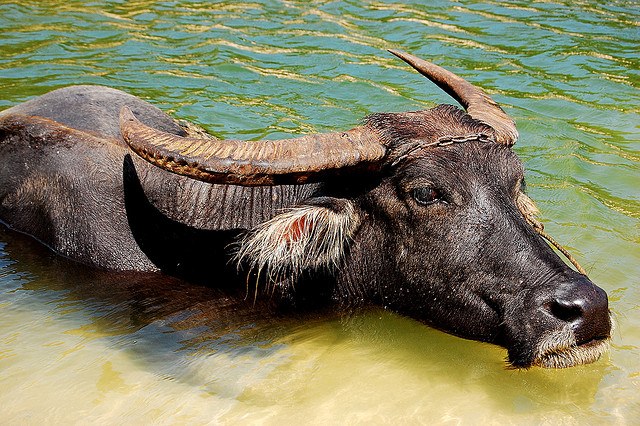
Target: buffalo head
x=420, y=212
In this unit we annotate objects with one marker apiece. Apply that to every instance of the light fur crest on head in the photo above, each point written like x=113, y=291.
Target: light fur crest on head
x=305, y=238
x=529, y=210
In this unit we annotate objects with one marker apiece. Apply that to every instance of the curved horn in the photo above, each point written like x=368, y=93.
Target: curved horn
x=252, y=163
x=475, y=101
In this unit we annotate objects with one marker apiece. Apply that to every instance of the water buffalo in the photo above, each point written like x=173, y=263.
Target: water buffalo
x=419, y=212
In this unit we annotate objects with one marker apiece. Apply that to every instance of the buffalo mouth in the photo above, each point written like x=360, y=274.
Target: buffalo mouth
x=561, y=350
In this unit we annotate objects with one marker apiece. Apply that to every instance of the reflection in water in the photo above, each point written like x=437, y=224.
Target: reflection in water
x=102, y=338
x=81, y=344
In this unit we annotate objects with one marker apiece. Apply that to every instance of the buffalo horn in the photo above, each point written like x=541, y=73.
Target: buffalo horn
x=252, y=163
x=475, y=101
x=298, y=160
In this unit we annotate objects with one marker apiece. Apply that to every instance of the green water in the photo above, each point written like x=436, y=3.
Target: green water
x=77, y=346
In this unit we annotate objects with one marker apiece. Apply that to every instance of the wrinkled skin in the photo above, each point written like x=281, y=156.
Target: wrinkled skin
x=436, y=235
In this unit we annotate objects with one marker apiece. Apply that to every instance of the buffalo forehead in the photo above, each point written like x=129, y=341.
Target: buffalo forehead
x=467, y=162
x=398, y=129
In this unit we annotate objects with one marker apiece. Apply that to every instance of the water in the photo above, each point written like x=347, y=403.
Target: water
x=82, y=346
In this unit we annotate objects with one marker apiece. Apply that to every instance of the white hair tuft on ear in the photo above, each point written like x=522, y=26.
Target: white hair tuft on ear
x=305, y=238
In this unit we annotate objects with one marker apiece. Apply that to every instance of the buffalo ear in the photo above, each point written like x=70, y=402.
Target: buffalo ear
x=311, y=237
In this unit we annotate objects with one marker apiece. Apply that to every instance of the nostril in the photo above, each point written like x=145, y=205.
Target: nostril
x=581, y=306
x=565, y=310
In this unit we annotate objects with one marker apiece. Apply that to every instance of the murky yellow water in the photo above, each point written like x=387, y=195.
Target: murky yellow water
x=85, y=347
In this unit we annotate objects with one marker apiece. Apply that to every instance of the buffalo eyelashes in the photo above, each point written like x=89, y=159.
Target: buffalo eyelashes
x=426, y=195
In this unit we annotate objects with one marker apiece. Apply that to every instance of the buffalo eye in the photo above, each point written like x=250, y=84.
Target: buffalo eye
x=426, y=195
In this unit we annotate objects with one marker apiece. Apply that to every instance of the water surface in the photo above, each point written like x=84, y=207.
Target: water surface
x=79, y=345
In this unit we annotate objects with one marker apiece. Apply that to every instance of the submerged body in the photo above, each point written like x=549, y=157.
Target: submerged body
x=432, y=229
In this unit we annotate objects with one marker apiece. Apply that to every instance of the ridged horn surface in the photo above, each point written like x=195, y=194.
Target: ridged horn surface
x=474, y=100
x=252, y=163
